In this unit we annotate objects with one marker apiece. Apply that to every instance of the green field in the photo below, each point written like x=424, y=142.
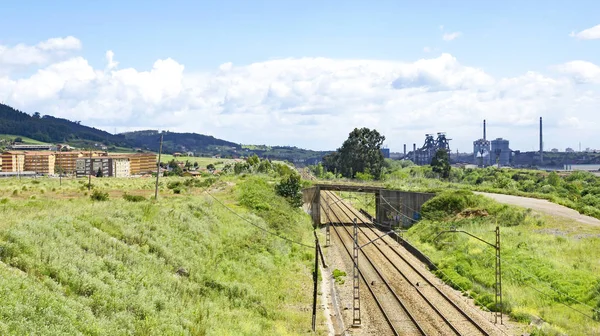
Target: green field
x=184, y=265
x=202, y=161
x=26, y=140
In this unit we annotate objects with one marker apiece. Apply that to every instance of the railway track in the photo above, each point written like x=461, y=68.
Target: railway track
x=399, y=325
x=445, y=316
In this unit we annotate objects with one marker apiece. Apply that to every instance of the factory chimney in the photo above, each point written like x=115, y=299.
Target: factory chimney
x=483, y=129
x=404, y=152
x=414, y=153
x=541, y=143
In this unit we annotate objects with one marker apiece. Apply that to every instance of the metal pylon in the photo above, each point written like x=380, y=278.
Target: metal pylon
x=356, y=281
x=499, y=306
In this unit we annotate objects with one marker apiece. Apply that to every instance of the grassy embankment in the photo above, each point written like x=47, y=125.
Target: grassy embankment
x=182, y=265
x=577, y=190
x=550, y=266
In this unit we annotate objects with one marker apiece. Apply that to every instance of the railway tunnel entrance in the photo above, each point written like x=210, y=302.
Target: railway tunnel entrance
x=393, y=208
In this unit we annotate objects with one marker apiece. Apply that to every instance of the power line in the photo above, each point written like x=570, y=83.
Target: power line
x=257, y=226
x=530, y=276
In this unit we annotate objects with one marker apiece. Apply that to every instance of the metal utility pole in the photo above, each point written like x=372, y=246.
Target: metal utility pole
x=158, y=168
x=91, y=169
x=498, y=272
x=315, y=280
x=328, y=228
x=356, y=322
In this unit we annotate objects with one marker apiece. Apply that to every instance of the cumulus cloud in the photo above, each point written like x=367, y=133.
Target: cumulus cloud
x=39, y=54
x=581, y=71
x=315, y=102
x=588, y=34
x=451, y=36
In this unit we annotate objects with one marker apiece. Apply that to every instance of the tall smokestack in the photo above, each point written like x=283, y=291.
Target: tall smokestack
x=414, y=153
x=483, y=129
x=404, y=151
x=541, y=143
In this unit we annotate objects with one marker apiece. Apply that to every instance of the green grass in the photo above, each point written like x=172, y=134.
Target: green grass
x=202, y=161
x=556, y=257
x=27, y=141
x=181, y=266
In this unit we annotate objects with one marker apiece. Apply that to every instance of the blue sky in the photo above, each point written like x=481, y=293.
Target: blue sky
x=504, y=39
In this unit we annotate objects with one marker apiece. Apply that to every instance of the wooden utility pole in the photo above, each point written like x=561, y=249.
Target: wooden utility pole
x=90, y=175
x=158, y=168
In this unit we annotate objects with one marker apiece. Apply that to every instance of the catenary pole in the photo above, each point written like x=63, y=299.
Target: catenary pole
x=158, y=168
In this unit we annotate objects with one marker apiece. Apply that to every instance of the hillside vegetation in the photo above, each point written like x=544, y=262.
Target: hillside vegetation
x=125, y=265
x=551, y=273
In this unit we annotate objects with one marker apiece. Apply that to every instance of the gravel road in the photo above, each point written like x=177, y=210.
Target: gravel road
x=544, y=206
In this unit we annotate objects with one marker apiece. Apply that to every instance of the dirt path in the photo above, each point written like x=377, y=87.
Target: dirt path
x=544, y=206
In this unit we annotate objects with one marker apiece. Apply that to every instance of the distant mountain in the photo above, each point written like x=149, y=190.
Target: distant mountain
x=56, y=130
x=178, y=142
x=50, y=129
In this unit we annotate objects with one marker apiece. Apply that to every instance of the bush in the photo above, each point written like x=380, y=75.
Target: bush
x=98, y=195
x=448, y=204
x=133, y=198
x=290, y=188
x=338, y=276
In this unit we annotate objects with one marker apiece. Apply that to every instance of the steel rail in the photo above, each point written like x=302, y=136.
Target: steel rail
x=421, y=275
x=396, y=297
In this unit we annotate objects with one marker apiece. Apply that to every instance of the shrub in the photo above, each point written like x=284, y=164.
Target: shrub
x=338, y=276
x=134, y=198
x=98, y=195
x=448, y=203
x=290, y=189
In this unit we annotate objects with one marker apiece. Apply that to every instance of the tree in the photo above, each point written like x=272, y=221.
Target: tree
x=188, y=165
x=441, y=163
x=360, y=153
x=37, y=115
x=196, y=165
x=99, y=173
x=253, y=160
x=290, y=187
x=18, y=139
x=210, y=167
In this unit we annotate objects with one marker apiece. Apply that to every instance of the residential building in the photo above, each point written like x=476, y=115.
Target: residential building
x=31, y=147
x=140, y=163
x=121, y=167
x=40, y=162
x=91, y=165
x=13, y=161
x=111, y=166
x=67, y=161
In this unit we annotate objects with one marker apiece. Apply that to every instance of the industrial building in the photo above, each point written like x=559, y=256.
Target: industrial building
x=385, y=152
x=425, y=154
x=13, y=161
x=40, y=162
x=481, y=150
x=501, y=152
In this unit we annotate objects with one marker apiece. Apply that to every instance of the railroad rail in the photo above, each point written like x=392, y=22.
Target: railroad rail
x=391, y=323
x=449, y=307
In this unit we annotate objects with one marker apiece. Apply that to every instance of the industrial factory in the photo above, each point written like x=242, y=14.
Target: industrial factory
x=496, y=152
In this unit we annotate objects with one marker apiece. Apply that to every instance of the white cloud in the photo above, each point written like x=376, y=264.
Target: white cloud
x=315, y=102
x=39, y=54
x=588, y=34
x=451, y=36
x=581, y=71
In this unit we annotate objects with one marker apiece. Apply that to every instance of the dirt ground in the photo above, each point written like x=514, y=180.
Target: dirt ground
x=543, y=206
